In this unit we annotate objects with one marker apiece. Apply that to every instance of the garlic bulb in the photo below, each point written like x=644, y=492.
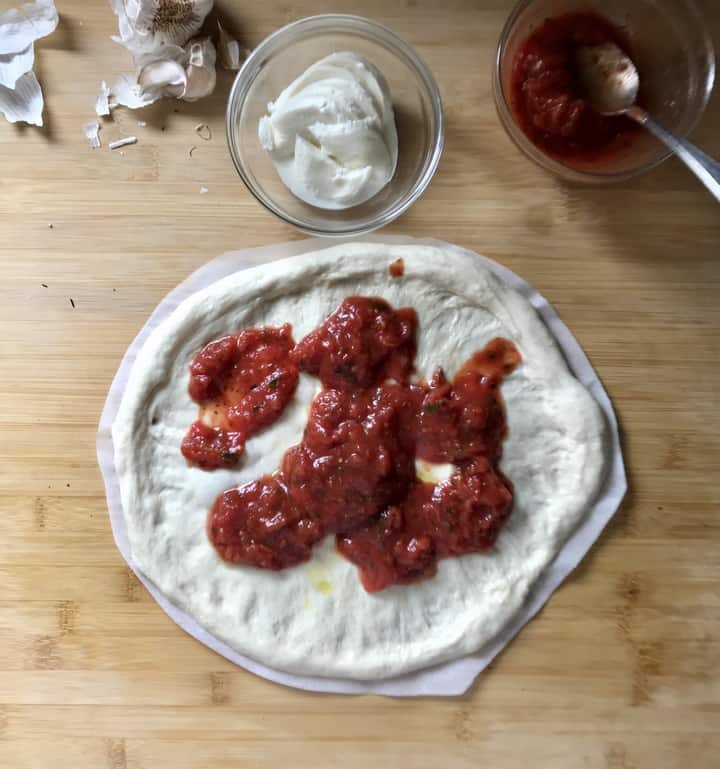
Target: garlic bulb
x=168, y=62
x=146, y=25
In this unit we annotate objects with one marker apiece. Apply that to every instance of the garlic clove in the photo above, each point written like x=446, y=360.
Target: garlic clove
x=201, y=53
x=200, y=70
x=162, y=77
x=125, y=91
x=229, y=51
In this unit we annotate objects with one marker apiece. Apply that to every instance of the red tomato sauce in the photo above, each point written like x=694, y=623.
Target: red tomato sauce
x=396, y=269
x=243, y=383
x=547, y=97
x=353, y=474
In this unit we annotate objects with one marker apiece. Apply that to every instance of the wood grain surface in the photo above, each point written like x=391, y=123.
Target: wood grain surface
x=620, y=670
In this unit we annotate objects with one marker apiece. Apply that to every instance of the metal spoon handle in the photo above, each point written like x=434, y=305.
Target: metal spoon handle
x=703, y=166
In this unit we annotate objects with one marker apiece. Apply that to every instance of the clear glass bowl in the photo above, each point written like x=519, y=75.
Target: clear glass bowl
x=671, y=47
x=285, y=55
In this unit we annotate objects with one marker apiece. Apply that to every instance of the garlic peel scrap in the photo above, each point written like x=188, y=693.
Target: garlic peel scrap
x=122, y=142
x=204, y=131
x=125, y=91
x=20, y=27
x=21, y=97
x=102, y=103
x=92, y=131
x=13, y=65
x=24, y=102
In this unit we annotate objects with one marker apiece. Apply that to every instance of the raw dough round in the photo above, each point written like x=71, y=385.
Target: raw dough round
x=316, y=619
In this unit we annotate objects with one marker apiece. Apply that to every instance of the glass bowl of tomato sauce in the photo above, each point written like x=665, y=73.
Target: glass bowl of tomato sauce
x=539, y=97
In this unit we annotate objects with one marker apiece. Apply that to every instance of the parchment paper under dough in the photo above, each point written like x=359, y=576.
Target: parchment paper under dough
x=451, y=677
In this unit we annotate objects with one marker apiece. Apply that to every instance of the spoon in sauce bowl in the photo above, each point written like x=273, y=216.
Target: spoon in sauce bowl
x=611, y=83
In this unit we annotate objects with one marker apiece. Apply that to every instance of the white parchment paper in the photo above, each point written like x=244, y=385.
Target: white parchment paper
x=452, y=678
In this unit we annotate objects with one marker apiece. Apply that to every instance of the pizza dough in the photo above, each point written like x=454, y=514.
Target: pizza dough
x=316, y=618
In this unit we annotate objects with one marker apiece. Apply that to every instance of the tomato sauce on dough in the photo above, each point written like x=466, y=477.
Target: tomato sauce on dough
x=353, y=474
x=396, y=269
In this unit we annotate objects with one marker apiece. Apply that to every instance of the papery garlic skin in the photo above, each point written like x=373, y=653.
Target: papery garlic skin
x=24, y=103
x=14, y=65
x=92, y=133
x=21, y=98
x=21, y=27
x=102, y=103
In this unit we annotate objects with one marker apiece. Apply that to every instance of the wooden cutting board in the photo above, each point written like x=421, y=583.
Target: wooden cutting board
x=620, y=670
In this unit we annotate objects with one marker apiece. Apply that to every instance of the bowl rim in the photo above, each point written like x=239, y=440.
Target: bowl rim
x=517, y=135
x=393, y=42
